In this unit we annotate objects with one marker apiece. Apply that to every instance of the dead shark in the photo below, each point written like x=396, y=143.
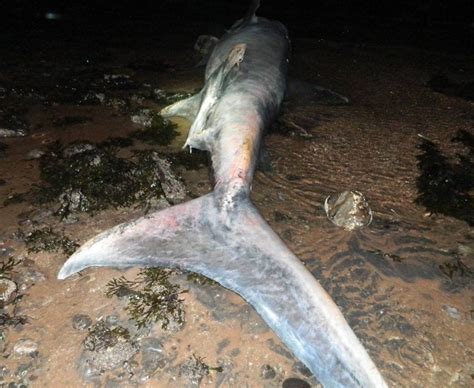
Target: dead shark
x=222, y=235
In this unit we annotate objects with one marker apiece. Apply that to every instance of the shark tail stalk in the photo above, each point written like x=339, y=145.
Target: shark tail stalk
x=222, y=235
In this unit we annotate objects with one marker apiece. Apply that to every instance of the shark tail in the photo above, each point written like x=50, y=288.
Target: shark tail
x=234, y=246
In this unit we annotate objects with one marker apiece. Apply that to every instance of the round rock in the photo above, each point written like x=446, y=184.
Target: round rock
x=8, y=291
x=81, y=321
x=349, y=210
x=267, y=372
x=25, y=346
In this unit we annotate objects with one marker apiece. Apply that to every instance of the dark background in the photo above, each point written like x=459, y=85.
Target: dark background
x=432, y=24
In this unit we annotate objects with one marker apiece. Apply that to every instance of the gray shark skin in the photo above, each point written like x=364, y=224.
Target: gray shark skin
x=222, y=235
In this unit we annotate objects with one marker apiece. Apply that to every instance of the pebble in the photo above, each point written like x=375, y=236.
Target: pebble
x=8, y=291
x=6, y=132
x=453, y=312
x=29, y=277
x=294, y=382
x=81, y=322
x=267, y=372
x=22, y=370
x=78, y=148
x=25, y=346
x=34, y=154
x=4, y=371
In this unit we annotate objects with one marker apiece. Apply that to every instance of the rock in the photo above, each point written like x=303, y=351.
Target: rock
x=17, y=132
x=267, y=372
x=8, y=291
x=25, y=346
x=174, y=189
x=4, y=371
x=348, y=210
x=294, y=382
x=453, y=312
x=78, y=148
x=194, y=369
x=94, y=363
x=28, y=276
x=152, y=356
x=22, y=370
x=143, y=117
x=81, y=322
x=34, y=154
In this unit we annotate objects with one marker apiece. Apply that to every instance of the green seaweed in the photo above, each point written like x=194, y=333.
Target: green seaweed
x=197, y=367
x=8, y=267
x=200, y=279
x=102, y=336
x=12, y=320
x=160, y=132
x=48, y=240
x=445, y=185
x=151, y=297
x=455, y=267
x=96, y=179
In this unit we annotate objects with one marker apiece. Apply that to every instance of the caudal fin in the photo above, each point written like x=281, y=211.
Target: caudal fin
x=238, y=249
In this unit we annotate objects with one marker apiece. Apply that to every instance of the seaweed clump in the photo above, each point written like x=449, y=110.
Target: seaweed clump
x=102, y=336
x=151, y=298
x=195, y=369
x=48, y=240
x=444, y=186
x=160, y=131
x=456, y=267
x=97, y=178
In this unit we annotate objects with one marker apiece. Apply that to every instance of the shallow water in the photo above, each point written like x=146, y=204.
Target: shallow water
x=415, y=319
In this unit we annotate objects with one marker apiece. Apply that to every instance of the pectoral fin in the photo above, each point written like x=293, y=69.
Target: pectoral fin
x=187, y=108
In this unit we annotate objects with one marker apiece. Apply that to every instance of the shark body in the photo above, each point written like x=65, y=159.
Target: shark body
x=222, y=235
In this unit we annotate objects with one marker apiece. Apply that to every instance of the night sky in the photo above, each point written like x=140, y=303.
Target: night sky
x=435, y=24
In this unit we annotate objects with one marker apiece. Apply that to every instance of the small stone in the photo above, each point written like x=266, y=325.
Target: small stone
x=112, y=320
x=25, y=346
x=453, y=312
x=294, y=382
x=28, y=276
x=349, y=210
x=4, y=371
x=8, y=291
x=465, y=250
x=78, y=148
x=8, y=132
x=81, y=322
x=34, y=154
x=267, y=372
x=22, y=370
